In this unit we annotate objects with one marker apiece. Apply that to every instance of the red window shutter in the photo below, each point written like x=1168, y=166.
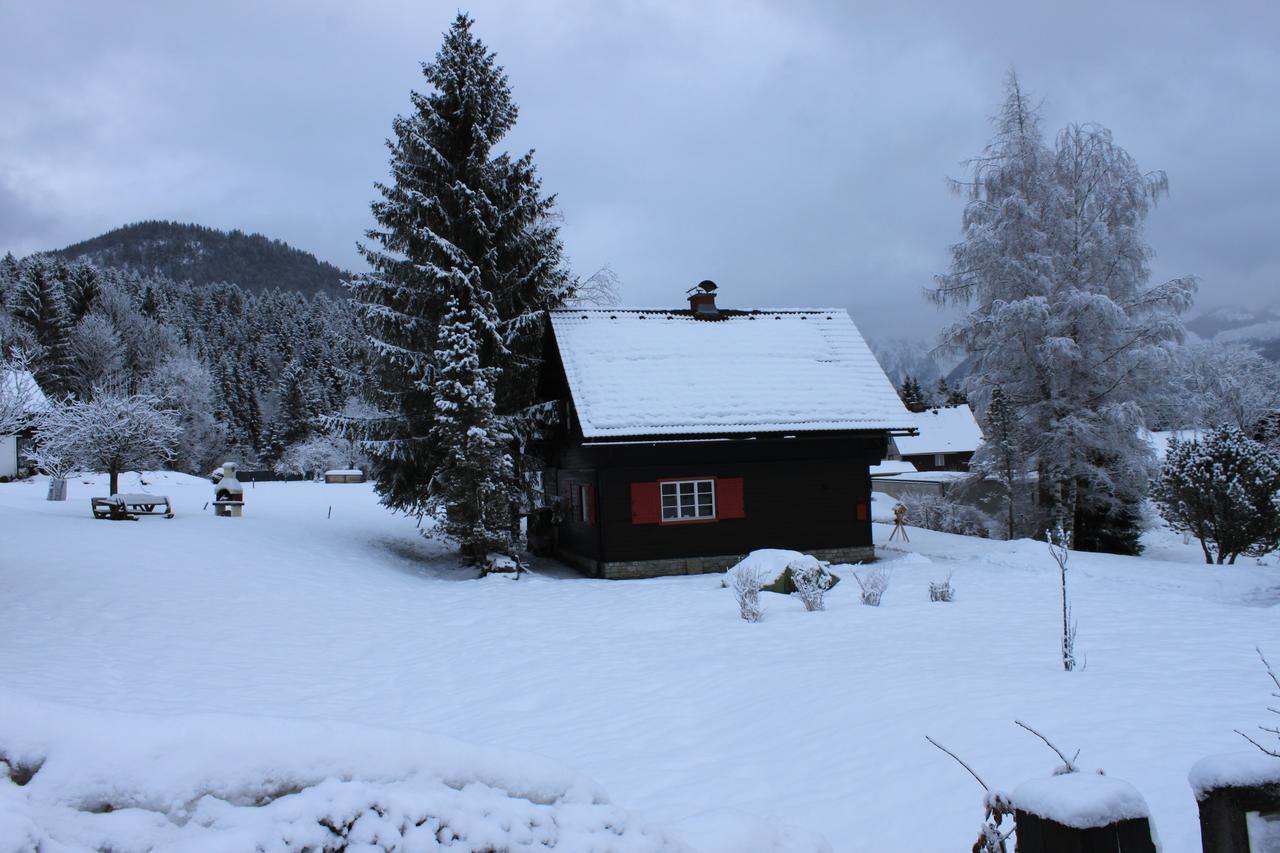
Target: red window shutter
x=646, y=503
x=589, y=495
x=729, y=498
x=862, y=510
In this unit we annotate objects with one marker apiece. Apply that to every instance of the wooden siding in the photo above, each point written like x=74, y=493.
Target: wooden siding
x=801, y=493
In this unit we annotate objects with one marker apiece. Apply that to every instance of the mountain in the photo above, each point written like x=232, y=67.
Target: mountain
x=1259, y=328
x=205, y=255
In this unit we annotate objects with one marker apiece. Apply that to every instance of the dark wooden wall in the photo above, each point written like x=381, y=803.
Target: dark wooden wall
x=800, y=493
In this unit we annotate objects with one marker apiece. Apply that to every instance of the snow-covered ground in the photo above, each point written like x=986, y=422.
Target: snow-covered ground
x=320, y=607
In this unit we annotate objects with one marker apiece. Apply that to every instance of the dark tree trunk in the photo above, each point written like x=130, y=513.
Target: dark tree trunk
x=115, y=481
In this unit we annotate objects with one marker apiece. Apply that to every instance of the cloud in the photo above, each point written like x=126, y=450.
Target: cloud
x=796, y=153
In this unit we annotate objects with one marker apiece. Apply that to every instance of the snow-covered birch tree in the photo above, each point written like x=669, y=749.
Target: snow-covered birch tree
x=458, y=225
x=1053, y=269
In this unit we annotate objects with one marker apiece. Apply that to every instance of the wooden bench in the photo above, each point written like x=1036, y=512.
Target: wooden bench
x=129, y=507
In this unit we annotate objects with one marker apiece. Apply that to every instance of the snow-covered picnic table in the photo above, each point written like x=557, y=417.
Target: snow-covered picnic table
x=131, y=505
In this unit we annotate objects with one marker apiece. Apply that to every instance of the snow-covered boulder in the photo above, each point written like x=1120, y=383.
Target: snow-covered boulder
x=1081, y=800
x=774, y=567
x=73, y=780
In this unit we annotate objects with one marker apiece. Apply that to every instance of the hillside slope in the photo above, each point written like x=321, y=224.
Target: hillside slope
x=205, y=255
x=1259, y=328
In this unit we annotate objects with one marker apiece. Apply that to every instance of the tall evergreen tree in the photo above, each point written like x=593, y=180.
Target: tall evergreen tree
x=82, y=286
x=912, y=396
x=1001, y=455
x=1053, y=269
x=473, y=487
x=40, y=304
x=458, y=226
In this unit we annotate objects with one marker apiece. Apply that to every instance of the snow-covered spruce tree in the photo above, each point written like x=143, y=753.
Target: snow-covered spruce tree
x=113, y=432
x=38, y=302
x=912, y=396
x=1224, y=490
x=1053, y=268
x=459, y=225
x=1001, y=457
x=473, y=490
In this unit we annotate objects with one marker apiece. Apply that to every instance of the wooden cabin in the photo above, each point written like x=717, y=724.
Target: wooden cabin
x=694, y=436
x=945, y=440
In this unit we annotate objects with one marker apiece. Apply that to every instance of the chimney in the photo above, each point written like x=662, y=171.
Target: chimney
x=702, y=301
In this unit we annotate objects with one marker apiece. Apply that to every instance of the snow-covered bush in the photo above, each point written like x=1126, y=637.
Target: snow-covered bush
x=745, y=582
x=947, y=516
x=811, y=580
x=874, y=582
x=20, y=398
x=113, y=432
x=942, y=590
x=1224, y=490
x=312, y=456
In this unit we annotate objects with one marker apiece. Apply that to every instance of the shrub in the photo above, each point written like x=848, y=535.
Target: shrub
x=1225, y=491
x=942, y=591
x=746, y=588
x=873, y=584
x=811, y=580
x=947, y=516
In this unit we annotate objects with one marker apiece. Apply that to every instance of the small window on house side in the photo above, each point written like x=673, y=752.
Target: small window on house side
x=582, y=503
x=688, y=500
x=940, y=460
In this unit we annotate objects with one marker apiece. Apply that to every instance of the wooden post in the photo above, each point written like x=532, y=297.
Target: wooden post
x=1231, y=816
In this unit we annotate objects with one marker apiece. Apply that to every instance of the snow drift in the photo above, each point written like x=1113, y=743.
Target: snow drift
x=80, y=781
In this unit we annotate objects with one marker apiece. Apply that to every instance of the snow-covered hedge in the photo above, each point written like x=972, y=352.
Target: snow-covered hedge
x=81, y=781
x=937, y=513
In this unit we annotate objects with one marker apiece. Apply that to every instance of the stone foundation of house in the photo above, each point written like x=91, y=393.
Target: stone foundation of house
x=634, y=569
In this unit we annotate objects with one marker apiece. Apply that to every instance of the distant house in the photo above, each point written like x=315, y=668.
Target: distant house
x=945, y=440
x=694, y=436
x=19, y=395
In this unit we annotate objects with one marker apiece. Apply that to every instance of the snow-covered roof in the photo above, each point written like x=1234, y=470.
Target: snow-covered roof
x=951, y=430
x=892, y=467
x=648, y=372
x=23, y=386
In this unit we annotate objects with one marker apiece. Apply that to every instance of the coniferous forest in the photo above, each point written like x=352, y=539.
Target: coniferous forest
x=247, y=370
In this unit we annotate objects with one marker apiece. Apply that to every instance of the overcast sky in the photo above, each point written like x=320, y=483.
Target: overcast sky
x=794, y=152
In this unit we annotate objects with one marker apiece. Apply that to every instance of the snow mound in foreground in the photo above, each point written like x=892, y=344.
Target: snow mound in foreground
x=81, y=781
x=1081, y=800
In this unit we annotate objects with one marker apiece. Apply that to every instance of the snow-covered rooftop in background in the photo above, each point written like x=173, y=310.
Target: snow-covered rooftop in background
x=951, y=430
x=643, y=372
x=23, y=386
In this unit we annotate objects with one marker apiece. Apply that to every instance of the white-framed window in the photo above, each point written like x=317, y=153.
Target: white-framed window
x=688, y=500
x=940, y=460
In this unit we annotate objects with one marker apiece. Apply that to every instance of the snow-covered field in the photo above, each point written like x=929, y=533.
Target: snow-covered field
x=297, y=644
